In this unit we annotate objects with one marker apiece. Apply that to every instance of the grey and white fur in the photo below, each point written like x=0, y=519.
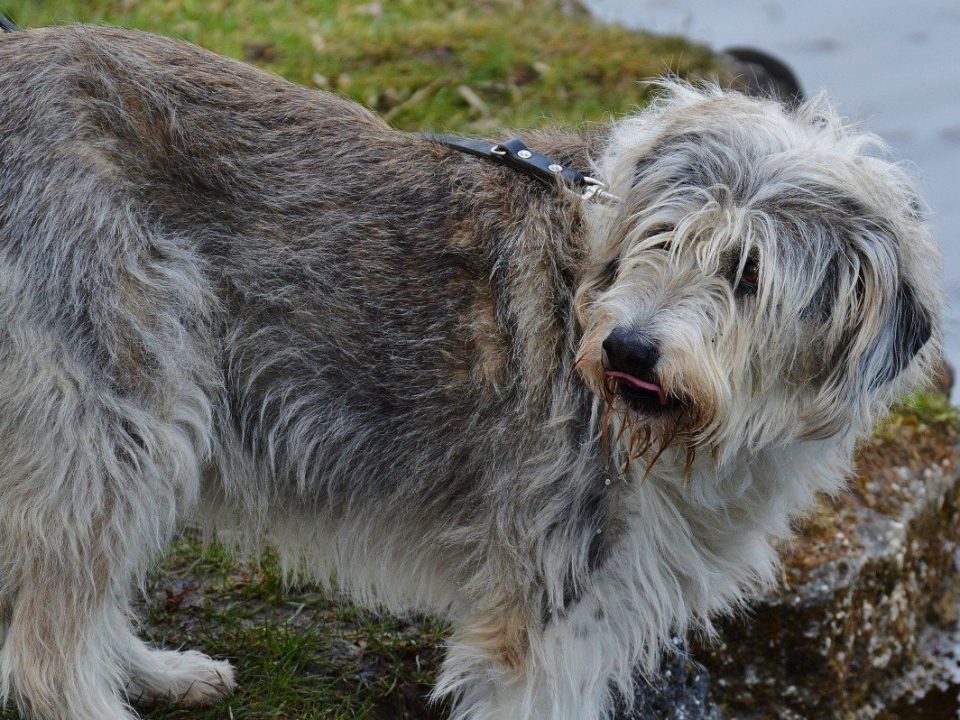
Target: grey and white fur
x=571, y=429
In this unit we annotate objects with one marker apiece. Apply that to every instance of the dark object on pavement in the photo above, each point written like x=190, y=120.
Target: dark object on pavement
x=762, y=74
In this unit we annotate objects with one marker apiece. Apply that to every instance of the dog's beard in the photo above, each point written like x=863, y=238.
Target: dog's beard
x=631, y=434
x=642, y=438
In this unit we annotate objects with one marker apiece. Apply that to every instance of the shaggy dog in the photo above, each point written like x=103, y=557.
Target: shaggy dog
x=569, y=427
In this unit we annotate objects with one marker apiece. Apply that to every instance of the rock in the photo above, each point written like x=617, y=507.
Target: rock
x=574, y=8
x=682, y=692
x=870, y=572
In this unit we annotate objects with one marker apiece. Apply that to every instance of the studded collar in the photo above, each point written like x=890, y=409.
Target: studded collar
x=515, y=155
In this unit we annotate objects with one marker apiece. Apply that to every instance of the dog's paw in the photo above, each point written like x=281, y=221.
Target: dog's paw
x=211, y=680
x=187, y=679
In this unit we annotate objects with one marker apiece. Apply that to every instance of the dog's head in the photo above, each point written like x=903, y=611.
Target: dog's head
x=767, y=278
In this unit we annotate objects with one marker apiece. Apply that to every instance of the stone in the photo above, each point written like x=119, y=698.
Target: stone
x=682, y=692
x=872, y=571
x=756, y=72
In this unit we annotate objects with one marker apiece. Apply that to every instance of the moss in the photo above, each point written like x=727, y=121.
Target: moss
x=922, y=430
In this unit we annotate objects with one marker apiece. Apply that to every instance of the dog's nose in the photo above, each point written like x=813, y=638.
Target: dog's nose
x=631, y=352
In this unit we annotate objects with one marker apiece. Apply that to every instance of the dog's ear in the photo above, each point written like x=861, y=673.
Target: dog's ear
x=910, y=329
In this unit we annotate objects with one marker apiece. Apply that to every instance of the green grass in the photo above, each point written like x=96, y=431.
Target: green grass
x=299, y=653
x=411, y=59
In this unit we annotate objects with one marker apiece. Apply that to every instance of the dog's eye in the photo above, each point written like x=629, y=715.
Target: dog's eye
x=749, y=278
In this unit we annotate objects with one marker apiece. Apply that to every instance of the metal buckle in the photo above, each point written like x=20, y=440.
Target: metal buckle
x=597, y=189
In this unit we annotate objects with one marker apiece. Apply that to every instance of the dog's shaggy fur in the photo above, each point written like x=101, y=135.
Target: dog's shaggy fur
x=220, y=291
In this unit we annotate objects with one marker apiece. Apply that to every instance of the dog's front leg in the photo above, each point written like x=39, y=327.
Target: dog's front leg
x=523, y=665
x=185, y=677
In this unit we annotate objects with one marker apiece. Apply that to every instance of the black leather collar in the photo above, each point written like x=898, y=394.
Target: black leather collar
x=7, y=25
x=515, y=155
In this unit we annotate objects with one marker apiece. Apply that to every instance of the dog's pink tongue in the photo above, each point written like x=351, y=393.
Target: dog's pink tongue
x=639, y=384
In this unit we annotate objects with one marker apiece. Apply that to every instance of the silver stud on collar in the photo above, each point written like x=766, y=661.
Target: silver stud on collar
x=525, y=154
x=555, y=168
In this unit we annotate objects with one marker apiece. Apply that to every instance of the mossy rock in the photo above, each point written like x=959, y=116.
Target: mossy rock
x=871, y=570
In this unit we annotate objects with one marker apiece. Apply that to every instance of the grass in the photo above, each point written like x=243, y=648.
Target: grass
x=299, y=652
x=424, y=64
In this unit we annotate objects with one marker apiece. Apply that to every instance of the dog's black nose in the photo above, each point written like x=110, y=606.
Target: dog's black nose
x=631, y=352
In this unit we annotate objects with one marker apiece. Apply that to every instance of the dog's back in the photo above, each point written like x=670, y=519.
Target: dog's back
x=287, y=236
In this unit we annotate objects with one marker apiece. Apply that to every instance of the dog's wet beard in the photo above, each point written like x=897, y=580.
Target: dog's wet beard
x=638, y=437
